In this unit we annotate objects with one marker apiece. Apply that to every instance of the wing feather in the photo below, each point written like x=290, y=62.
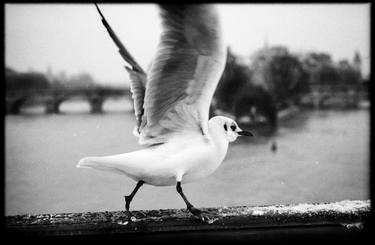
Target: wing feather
x=137, y=90
x=137, y=76
x=188, y=65
x=190, y=59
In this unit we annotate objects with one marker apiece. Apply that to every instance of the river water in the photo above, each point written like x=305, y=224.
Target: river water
x=322, y=156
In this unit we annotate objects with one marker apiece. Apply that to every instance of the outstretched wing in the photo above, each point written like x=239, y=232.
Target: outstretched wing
x=136, y=74
x=183, y=77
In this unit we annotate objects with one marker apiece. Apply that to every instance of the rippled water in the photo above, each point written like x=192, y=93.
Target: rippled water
x=322, y=156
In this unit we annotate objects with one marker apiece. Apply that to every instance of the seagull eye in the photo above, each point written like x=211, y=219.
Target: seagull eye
x=233, y=127
x=225, y=127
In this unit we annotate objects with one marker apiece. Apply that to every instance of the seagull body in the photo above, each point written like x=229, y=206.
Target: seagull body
x=172, y=103
x=186, y=158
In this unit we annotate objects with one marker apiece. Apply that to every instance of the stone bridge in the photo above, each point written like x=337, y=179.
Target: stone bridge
x=52, y=98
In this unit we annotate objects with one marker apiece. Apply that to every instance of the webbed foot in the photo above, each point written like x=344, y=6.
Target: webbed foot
x=204, y=216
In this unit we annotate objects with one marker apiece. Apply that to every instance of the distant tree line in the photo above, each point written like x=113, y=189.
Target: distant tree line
x=23, y=81
x=276, y=78
x=323, y=71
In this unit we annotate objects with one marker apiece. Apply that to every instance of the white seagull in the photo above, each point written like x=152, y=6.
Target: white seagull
x=172, y=103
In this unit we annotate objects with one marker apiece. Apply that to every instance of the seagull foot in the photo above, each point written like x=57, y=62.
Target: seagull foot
x=203, y=216
x=127, y=220
x=130, y=217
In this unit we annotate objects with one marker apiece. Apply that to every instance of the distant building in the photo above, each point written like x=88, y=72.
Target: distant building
x=357, y=61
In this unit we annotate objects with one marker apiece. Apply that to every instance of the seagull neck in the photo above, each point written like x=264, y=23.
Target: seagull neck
x=218, y=138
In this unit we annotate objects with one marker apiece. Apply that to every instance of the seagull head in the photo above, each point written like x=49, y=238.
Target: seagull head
x=229, y=128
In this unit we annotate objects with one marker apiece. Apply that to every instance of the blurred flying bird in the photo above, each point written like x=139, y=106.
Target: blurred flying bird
x=172, y=103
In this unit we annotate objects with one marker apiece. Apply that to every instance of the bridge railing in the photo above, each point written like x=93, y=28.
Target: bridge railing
x=92, y=90
x=52, y=98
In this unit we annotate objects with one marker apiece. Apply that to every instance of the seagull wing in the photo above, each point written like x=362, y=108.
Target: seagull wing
x=184, y=74
x=137, y=76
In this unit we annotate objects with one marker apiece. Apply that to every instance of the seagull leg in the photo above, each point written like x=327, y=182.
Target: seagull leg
x=190, y=206
x=129, y=198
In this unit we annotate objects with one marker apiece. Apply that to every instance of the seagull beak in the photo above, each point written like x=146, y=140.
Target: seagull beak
x=245, y=133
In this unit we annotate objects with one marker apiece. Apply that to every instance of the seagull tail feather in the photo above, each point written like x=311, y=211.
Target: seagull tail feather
x=99, y=163
x=85, y=163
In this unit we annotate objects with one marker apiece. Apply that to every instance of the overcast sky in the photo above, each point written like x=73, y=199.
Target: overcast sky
x=71, y=38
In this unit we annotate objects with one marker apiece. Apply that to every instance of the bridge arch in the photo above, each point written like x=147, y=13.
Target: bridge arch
x=14, y=106
x=53, y=105
x=116, y=104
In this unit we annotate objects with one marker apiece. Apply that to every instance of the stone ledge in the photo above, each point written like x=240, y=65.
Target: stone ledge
x=344, y=217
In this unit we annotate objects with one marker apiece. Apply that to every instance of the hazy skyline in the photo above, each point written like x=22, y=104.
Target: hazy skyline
x=71, y=37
